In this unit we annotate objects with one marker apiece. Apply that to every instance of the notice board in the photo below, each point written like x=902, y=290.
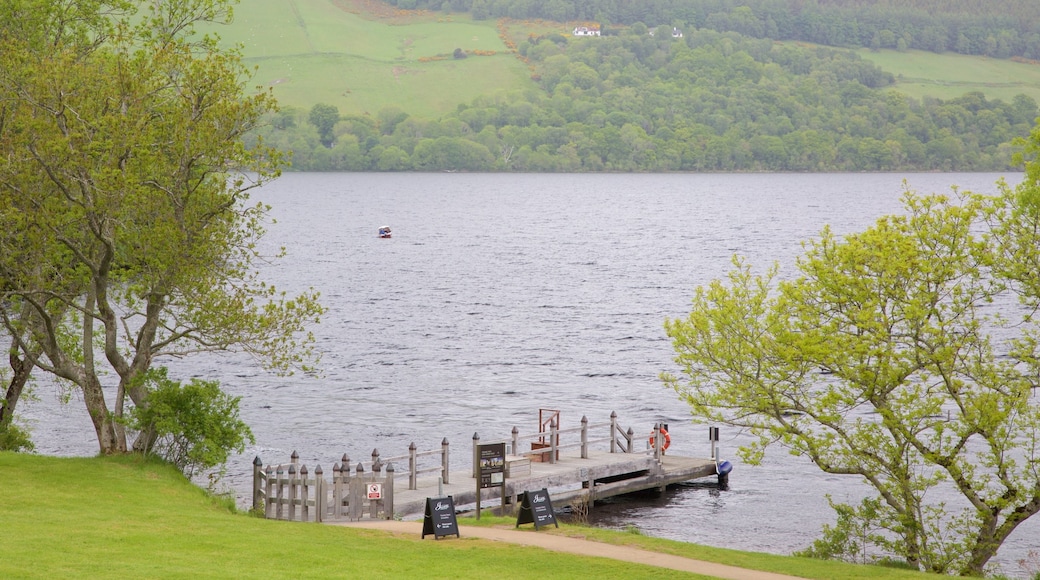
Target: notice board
x=440, y=519
x=536, y=508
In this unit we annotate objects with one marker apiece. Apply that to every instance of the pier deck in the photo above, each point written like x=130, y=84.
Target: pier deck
x=599, y=476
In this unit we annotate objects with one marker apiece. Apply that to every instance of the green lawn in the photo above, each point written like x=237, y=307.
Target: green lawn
x=122, y=517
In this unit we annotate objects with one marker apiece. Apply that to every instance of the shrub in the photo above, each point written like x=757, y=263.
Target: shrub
x=195, y=426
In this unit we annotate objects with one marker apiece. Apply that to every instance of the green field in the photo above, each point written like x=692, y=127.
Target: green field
x=313, y=51
x=919, y=74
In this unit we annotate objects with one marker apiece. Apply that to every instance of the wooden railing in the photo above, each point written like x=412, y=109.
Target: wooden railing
x=549, y=442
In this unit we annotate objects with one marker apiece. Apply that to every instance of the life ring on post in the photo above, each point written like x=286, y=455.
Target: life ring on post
x=667, y=440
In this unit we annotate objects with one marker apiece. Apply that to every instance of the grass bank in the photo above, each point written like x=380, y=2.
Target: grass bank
x=123, y=517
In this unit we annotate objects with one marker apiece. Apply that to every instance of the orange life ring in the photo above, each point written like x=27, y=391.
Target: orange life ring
x=667, y=440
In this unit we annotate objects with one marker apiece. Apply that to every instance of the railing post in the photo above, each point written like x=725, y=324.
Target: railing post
x=268, y=489
x=412, y=477
x=388, y=493
x=553, y=435
x=584, y=437
x=357, y=493
x=292, y=490
x=656, y=436
x=375, y=458
x=373, y=504
x=337, y=489
x=516, y=441
x=294, y=458
x=258, y=497
x=444, y=460
x=280, y=483
x=320, y=495
x=629, y=437
x=613, y=431
x=476, y=460
x=305, y=495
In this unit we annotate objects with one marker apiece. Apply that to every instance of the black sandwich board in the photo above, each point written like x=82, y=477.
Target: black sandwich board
x=536, y=508
x=440, y=518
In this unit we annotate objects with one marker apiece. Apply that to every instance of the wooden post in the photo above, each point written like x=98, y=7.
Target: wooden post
x=516, y=440
x=373, y=504
x=553, y=435
x=444, y=460
x=280, y=482
x=613, y=431
x=268, y=488
x=584, y=437
x=344, y=497
x=388, y=493
x=412, y=477
x=476, y=459
x=305, y=495
x=292, y=490
x=337, y=490
x=375, y=458
x=258, y=497
x=629, y=437
x=320, y=495
x=357, y=493
x=294, y=458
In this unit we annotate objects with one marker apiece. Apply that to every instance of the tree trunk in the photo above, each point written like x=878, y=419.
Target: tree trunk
x=21, y=370
x=104, y=424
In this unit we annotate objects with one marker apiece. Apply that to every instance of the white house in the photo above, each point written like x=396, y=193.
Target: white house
x=585, y=31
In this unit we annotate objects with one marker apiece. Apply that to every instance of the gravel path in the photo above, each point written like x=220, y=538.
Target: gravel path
x=585, y=548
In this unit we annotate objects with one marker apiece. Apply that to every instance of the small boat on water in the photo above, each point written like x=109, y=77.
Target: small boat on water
x=384, y=232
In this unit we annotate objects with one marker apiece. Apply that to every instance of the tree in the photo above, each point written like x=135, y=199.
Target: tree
x=125, y=230
x=885, y=359
x=324, y=118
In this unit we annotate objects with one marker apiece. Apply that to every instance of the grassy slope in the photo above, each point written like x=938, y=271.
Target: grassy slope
x=315, y=51
x=123, y=518
x=949, y=75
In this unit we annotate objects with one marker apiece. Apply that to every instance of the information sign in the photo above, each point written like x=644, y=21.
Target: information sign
x=536, y=508
x=440, y=518
x=492, y=459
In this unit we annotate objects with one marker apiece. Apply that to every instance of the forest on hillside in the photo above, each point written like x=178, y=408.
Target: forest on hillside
x=996, y=28
x=710, y=101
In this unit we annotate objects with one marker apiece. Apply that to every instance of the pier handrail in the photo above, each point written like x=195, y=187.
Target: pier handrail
x=413, y=457
x=620, y=440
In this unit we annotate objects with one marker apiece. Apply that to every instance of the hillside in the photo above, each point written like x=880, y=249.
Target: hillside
x=420, y=90
x=361, y=57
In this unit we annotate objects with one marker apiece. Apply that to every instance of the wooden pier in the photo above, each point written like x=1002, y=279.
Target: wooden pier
x=573, y=466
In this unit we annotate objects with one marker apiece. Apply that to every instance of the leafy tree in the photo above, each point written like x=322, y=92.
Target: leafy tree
x=124, y=236
x=885, y=359
x=324, y=117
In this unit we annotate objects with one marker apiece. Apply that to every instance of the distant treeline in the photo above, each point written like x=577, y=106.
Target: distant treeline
x=997, y=28
x=708, y=102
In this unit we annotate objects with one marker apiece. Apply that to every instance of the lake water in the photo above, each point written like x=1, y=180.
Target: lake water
x=502, y=294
